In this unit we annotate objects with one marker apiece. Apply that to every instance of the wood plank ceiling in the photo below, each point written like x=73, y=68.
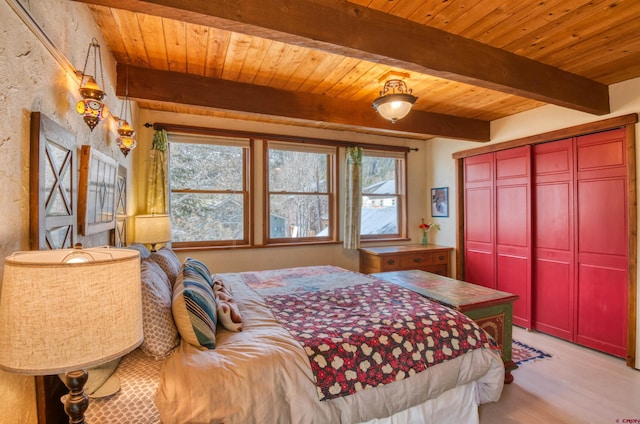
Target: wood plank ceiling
x=321, y=63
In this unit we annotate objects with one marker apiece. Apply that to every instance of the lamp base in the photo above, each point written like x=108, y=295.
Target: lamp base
x=76, y=401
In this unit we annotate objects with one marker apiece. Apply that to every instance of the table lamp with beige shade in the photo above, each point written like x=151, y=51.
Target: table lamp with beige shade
x=65, y=310
x=152, y=229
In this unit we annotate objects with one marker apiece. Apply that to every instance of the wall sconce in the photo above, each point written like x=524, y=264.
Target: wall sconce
x=395, y=100
x=91, y=107
x=152, y=229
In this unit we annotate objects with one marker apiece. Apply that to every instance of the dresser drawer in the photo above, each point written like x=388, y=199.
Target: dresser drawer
x=391, y=262
x=441, y=258
x=416, y=260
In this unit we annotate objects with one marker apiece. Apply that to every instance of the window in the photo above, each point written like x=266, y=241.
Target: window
x=209, y=190
x=383, y=199
x=213, y=202
x=300, y=192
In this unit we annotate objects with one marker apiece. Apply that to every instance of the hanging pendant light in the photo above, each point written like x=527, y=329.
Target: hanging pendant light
x=126, y=142
x=395, y=100
x=91, y=107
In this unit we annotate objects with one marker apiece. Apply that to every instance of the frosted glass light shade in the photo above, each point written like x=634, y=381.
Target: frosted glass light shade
x=395, y=100
x=152, y=229
x=67, y=309
x=394, y=106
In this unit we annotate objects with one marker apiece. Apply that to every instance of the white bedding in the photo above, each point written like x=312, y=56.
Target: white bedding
x=262, y=375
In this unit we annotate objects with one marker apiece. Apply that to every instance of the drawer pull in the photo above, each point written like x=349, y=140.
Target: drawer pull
x=440, y=258
x=391, y=262
x=417, y=260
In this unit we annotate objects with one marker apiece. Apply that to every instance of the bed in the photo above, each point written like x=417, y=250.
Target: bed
x=312, y=345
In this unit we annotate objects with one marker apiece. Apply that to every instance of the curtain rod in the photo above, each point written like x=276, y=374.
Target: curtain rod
x=285, y=138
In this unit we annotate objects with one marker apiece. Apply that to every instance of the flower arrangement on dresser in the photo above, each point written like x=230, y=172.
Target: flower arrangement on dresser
x=426, y=228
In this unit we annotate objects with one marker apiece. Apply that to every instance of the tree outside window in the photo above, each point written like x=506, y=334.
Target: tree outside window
x=300, y=192
x=208, y=189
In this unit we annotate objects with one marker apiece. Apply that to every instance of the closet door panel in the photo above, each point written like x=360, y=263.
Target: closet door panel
x=479, y=228
x=602, y=234
x=513, y=219
x=479, y=249
x=603, y=223
x=479, y=267
x=513, y=277
x=602, y=309
x=602, y=273
x=513, y=229
x=554, y=265
x=554, y=260
x=553, y=297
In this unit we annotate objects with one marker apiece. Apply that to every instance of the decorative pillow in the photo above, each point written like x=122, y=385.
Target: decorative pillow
x=160, y=332
x=144, y=252
x=200, y=268
x=194, y=309
x=168, y=261
x=228, y=311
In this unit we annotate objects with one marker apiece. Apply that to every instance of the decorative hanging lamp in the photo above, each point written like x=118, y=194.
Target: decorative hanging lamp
x=126, y=142
x=91, y=107
x=395, y=100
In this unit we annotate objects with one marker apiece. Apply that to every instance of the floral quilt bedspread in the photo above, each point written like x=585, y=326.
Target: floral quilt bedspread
x=360, y=332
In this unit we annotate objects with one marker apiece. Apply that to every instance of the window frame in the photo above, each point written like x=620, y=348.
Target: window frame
x=332, y=193
x=401, y=179
x=254, y=169
x=246, y=191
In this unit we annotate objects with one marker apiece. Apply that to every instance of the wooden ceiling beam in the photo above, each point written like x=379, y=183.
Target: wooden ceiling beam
x=351, y=30
x=176, y=87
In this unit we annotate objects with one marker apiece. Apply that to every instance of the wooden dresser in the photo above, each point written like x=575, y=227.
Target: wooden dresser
x=430, y=258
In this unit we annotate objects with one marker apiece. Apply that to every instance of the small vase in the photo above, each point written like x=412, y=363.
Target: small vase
x=424, y=238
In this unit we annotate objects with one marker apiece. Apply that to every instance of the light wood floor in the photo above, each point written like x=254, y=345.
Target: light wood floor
x=577, y=385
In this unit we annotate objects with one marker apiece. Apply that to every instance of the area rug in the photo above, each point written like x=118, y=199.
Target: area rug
x=522, y=353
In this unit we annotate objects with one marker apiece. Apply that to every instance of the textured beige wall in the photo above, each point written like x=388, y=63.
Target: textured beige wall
x=31, y=80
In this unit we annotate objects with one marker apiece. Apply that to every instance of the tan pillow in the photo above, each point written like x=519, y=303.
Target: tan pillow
x=168, y=261
x=160, y=332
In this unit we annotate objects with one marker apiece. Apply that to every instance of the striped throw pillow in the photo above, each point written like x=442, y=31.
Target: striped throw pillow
x=194, y=309
x=200, y=268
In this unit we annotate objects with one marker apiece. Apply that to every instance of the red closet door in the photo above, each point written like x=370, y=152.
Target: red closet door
x=602, y=293
x=513, y=228
x=553, y=267
x=479, y=250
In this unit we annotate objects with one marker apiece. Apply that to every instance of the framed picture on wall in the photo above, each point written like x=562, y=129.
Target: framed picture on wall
x=440, y=202
x=97, y=193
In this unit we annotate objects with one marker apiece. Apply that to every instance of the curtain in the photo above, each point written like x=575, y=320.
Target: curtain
x=157, y=196
x=353, y=198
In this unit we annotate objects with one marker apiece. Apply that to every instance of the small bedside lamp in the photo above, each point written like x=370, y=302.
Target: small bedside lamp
x=65, y=310
x=153, y=229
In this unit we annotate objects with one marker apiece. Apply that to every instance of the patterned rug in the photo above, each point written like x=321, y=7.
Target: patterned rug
x=522, y=353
